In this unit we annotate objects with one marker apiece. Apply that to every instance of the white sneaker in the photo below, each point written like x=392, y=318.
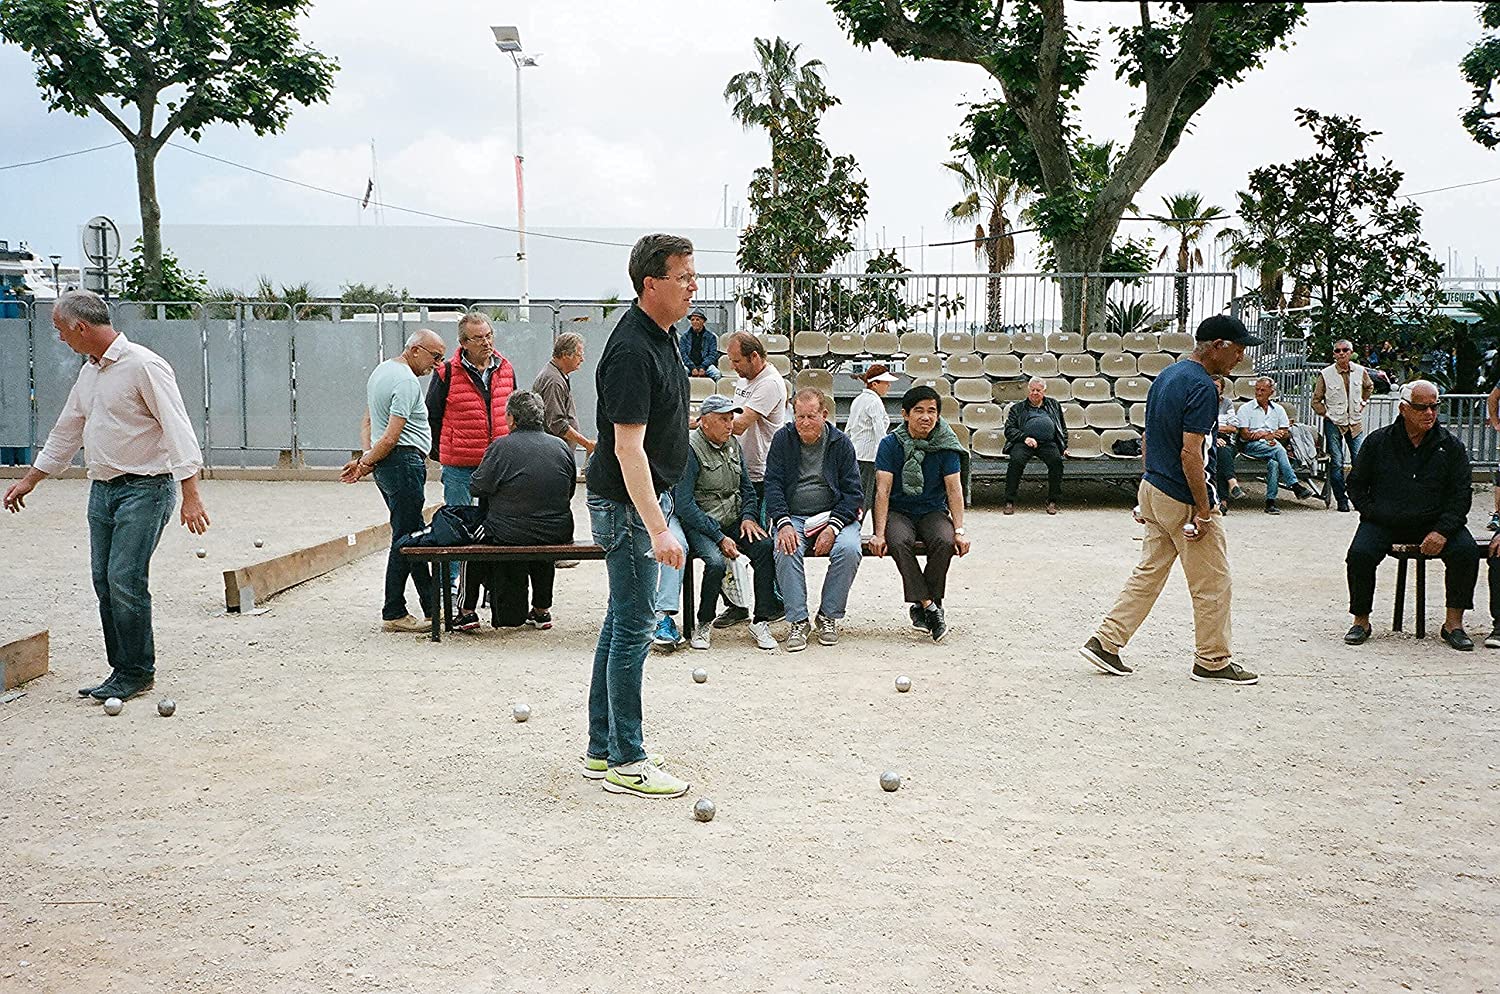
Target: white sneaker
x=644, y=780
x=700, y=637
x=761, y=632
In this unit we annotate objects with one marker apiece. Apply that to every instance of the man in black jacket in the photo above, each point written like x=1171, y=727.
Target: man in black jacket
x=1034, y=430
x=1412, y=484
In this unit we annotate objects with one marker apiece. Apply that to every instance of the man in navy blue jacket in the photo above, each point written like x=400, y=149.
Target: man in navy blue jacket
x=813, y=498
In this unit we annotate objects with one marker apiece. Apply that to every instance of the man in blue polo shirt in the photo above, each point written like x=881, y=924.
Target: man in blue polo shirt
x=1179, y=507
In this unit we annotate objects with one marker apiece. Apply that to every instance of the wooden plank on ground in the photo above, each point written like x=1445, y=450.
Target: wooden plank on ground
x=24, y=659
x=256, y=583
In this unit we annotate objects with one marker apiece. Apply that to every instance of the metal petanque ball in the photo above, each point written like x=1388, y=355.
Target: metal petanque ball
x=700, y=675
x=903, y=684
x=889, y=781
x=703, y=810
x=521, y=712
x=201, y=553
x=166, y=707
x=259, y=542
x=114, y=706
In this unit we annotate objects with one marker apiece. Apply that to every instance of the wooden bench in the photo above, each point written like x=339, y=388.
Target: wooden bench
x=1412, y=553
x=442, y=555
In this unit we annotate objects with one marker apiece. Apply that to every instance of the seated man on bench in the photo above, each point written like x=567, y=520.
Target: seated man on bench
x=1411, y=484
x=716, y=518
x=1265, y=431
x=919, y=494
x=526, y=482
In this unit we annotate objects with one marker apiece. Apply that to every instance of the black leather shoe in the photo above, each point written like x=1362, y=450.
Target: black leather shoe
x=1344, y=506
x=1271, y=507
x=1356, y=635
x=1459, y=639
x=86, y=691
x=126, y=687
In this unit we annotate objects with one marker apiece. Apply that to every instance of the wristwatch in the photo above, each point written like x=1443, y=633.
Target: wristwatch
x=958, y=531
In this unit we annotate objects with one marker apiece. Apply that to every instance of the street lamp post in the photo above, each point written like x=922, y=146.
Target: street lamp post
x=508, y=40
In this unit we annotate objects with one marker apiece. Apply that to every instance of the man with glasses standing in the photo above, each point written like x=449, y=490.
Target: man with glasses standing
x=1412, y=484
x=1340, y=395
x=642, y=452
x=397, y=458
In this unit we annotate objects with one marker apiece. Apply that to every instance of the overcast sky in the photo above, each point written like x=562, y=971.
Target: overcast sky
x=626, y=124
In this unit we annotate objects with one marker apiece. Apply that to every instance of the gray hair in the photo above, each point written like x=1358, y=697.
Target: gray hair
x=526, y=410
x=1036, y=379
x=1265, y=379
x=1344, y=341
x=568, y=343
x=1409, y=390
x=473, y=317
x=813, y=393
x=82, y=305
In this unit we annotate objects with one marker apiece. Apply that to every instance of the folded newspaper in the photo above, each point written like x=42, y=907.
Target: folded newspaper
x=816, y=523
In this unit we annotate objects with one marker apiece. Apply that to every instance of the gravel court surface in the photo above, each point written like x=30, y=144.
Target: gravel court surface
x=333, y=808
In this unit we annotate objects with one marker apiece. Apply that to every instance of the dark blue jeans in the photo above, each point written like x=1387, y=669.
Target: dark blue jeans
x=625, y=634
x=402, y=479
x=126, y=518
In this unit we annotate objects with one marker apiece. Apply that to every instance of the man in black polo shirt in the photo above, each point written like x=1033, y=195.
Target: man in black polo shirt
x=642, y=452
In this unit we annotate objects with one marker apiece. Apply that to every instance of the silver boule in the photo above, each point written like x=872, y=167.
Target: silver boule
x=903, y=684
x=166, y=707
x=700, y=675
x=703, y=809
x=259, y=542
x=201, y=553
x=521, y=712
x=890, y=780
x=114, y=706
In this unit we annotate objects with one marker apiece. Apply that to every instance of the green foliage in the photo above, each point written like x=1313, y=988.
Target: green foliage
x=1260, y=244
x=1342, y=233
x=1128, y=317
x=1481, y=69
x=1188, y=218
x=1178, y=55
x=168, y=281
x=173, y=65
x=368, y=293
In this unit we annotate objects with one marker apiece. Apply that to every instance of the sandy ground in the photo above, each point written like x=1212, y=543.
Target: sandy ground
x=336, y=809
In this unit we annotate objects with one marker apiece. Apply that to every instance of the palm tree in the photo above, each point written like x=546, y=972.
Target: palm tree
x=779, y=94
x=987, y=186
x=1260, y=246
x=1188, y=218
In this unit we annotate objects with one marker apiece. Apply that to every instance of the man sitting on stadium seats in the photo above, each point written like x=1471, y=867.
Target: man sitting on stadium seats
x=1034, y=430
x=1264, y=431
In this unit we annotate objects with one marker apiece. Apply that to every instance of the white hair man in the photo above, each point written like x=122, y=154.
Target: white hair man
x=398, y=460
x=1265, y=429
x=127, y=415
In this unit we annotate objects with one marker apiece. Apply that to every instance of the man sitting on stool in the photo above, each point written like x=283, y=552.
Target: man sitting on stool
x=1264, y=431
x=1034, y=429
x=919, y=493
x=1411, y=484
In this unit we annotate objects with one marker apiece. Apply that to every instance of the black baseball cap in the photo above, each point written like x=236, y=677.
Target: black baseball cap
x=1222, y=326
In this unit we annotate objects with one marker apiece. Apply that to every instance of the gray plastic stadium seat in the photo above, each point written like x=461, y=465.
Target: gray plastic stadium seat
x=982, y=416
x=965, y=365
x=810, y=344
x=1117, y=364
x=1029, y=343
x=989, y=443
x=1244, y=388
x=1132, y=388
x=882, y=343
x=929, y=364
x=1083, y=443
x=820, y=379
x=1108, y=438
x=1059, y=389
x=1106, y=415
x=973, y=391
x=846, y=343
x=1141, y=341
x=1074, y=416
x=950, y=409
x=1153, y=363
x=1065, y=342
x=1138, y=415
x=776, y=343
x=1175, y=341
x=1042, y=364
x=1092, y=389
x=726, y=386
x=955, y=342
x=1075, y=366
x=993, y=343
x=961, y=431
x=917, y=343
x=1002, y=366
x=781, y=361
x=1009, y=391
x=726, y=367
x=1101, y=342
x=701, y=387
x=1245, y=367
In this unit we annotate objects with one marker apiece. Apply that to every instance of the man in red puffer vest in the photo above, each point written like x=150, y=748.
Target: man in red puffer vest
x=466, y=406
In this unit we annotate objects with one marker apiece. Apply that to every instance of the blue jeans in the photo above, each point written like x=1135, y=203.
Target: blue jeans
x=625, y=633
x=1333, y=444
x=402, y=479
x=1278, y=464
x=456, y=491
x=669, y=580
x=126, y=518
x=843, y=563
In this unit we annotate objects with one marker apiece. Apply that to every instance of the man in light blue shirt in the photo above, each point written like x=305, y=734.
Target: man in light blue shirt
x=1265, y=429
x=397, y=410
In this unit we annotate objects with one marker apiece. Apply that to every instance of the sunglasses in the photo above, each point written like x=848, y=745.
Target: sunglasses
x=1422, y=407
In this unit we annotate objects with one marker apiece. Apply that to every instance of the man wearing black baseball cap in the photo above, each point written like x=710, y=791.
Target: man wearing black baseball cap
x=1179, y=507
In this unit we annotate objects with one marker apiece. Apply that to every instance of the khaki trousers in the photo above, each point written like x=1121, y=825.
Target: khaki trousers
x=1205, y=564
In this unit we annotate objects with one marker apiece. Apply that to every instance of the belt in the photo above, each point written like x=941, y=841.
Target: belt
x=408, y=448
x=137, y=478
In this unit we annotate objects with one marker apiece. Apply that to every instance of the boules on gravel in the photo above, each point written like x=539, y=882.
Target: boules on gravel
x=521, y=712
x=114, y=706
x=700, y=675
x=166, y=707
x=201, y=553
x=903, y=684
x=703, y=810
x=890, y=781
x=260, y=542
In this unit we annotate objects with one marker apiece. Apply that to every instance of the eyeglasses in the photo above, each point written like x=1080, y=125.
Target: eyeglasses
x=683, y=280
x=1422, y=407
x=1337, y=351
x=437, y=355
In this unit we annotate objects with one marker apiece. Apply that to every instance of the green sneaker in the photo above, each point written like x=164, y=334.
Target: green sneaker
x=644, y=779
x=594, y=769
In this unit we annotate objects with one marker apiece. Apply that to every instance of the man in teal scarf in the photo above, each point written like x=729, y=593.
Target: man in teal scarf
x=919, y=495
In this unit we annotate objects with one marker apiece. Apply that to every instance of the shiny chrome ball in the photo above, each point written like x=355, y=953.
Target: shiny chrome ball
x=700, y=675
x=703, y=810
x=890, y=780
x=903, y=684
x=114, y=706
x=201, y=553
x=166, y=707
x=521, y=712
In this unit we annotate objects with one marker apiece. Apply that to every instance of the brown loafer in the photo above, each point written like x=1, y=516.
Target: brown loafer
x=1051, y=508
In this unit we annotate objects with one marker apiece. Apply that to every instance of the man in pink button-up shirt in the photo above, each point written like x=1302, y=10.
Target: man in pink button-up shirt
x=126, y=413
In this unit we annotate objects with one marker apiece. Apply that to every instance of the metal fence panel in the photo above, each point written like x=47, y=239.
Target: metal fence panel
x=180, y=342
x=250, y=385
x=334, y=359
x=55, y=369
x=15, y=383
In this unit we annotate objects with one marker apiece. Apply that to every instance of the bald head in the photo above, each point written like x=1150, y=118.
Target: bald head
x=424, y=349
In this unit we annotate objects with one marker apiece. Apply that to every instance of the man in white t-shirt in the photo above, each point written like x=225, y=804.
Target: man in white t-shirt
x=1265, y=429
x=760, y=392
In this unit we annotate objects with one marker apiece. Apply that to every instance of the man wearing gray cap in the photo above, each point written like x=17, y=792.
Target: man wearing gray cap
x=716, y=518
x=700, y=347
x=1179, y=508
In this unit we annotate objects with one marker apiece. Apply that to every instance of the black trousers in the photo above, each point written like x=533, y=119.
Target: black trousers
x=1021, y=454
x=508, y=585
x=1373, y=542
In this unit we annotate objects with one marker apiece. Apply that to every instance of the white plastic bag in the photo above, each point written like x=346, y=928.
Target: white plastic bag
x=739, y=586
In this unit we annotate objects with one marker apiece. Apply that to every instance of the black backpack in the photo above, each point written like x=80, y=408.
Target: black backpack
x=453, y=524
